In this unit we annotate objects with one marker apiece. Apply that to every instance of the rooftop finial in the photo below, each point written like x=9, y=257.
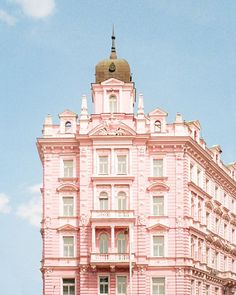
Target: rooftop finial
x=113, y=46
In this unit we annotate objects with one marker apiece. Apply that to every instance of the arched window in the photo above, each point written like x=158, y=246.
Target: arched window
x=103, y=201
x=157, y=126
x=103, y=243
x=113, y=104
x=68, y=127
x=121, y=243
x=122, y=201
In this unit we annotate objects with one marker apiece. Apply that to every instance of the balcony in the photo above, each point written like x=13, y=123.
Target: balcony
x=98, y=215
x=121, y=259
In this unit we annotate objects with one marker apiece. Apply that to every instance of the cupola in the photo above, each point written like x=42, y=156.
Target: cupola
x=113, y=67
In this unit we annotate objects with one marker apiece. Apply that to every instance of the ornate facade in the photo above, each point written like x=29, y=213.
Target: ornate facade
x=133, y=204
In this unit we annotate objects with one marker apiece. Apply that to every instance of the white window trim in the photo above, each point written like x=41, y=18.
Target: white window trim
x=164, y=165
x=126, y=164
x=61, y=209
x=161, y=277
x=62, y=245
x=67, y=158
x=159, y=194
x=127, y=282
x=98, y=282
x=165, y=245
x=67, y=277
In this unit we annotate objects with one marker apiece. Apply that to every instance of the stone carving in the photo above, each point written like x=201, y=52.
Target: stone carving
x=112, y=127
x=141, y=220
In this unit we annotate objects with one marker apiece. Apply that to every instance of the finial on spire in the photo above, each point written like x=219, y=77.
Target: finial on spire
x=113, y=46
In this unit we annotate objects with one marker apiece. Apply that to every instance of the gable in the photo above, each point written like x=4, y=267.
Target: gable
x=158, y=113
x=67, y=113
x=112, y=127
x=112, y=81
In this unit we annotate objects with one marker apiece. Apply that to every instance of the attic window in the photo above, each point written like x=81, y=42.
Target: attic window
x=157, y=126
x=68, y=127
x=112, y=104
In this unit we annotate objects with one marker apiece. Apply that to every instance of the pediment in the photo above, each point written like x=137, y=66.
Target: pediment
x=112, y=127
x=218, y=211
x=195, y=123
x=209, y=205
x=226, y=216
x=67, y=113
x=158, y=226
x=112, y=82
x=219, y=243
x=67, y=227
x=158, y=112
x=158, y=186
x=67, y=187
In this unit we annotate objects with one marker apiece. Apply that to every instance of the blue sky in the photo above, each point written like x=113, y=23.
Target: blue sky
x=183, y=59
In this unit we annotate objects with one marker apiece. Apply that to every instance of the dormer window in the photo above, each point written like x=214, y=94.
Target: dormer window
x=157, y=126
x=113, y=104
x=68, y=127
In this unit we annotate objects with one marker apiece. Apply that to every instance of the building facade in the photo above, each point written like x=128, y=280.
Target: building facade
x=133, y=204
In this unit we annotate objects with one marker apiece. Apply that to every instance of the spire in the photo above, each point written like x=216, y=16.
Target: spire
x=113, y=46
x=84, y=106
x=140, y=105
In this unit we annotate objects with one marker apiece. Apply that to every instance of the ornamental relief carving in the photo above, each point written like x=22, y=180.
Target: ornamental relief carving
x=113, y=127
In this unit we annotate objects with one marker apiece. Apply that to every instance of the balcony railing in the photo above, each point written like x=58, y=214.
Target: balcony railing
x=110, y=257
x=112, y=214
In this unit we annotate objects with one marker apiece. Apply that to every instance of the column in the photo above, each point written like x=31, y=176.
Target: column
x=93, y=239
x=112, y=239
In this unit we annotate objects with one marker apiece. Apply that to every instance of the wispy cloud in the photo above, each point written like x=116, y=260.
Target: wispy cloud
x=4, y=203
x=37, y=9
x=31, y=210
x=6, y=18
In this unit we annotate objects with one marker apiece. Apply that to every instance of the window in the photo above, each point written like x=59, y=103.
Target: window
x=68, y=127
x=121, y=285
x=122, y=200
x=158, y=205
x=112, y=104
x=68, y=246
x=103, y=201
x=208, y=255
x=199, y=177
x=103, y=165
x=193, y=196
x=225, y=231
x=200, y=243
x=158, y=167
x=157, y=126
x=199, y=210
x=158, y=286
x=207, y=290
x=103, y=285
x=208, y=219
x=68, y=168
x=191, y=172
x=192, y=287
x=192, y=246
x=208, y=186
x=233, y=236
x=103, y=243
x=68, y=286
x=225, y=263
x=121, y=164
x=216, y=260
x=233, y=265
x=217, y=291
x=68, y=206
x=198, y=288
x=158, y=246
x=217, y=223
x=121, y=243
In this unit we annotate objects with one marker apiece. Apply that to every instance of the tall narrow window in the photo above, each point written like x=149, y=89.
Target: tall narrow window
x=199, y=210
x=68, y=206
x=103, y=201
x=103, y=165
x=207, y=289
x=121, y=285
x=217, y=225
x=68, y=168
x=200, y=243
x=158, y=246
x=225, y=263
x=121, y=164
x=208, y=219
x=192, y=286
x=192, y=246
x=68, y=246
x=68, y=127
x=103, y=243
x=158, y=286
x=208, y=256
x=103, y=285
x=233, y=236
x=121, y=243
x=68, y=286
x=199, y=177
x=158, y=167
x=122, y=201
x=191, y=172
x=158, y=205
x=157, y=126
x=113, y=104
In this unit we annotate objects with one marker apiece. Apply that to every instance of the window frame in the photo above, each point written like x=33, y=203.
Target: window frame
x=158, y=236
x=63, y=245
x=112, y=103
x=156, y=196
x=165, y=284
x=67, y=196
x=100, y=276
x=68, y=158
x=99, y=164
x=153, y=167
x=126, y=286
x=62, y=285
x=125, y=164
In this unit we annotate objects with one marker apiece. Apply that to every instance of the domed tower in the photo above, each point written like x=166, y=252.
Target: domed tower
x=113, y=90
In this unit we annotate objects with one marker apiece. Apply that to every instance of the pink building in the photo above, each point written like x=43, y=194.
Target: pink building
x=133, y=204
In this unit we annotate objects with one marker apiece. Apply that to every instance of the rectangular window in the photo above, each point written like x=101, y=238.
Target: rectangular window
x=68, y=168
x=208, y=219
x=225, y=263
x=122, y=285
x=158, y=246
x=208, y=256
x=192, y=287
x=68, y=206
x=207, y=290
x=158, y=286
x=233, y=265
x=199, y=177
x=68, y=246
x=103, y=285
x=122, y=164
x=158, y=205
x=191, y=172
x=233, y=236
x=103, y=165
x=68, y=286
x=158, y=167
x=217, y=225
